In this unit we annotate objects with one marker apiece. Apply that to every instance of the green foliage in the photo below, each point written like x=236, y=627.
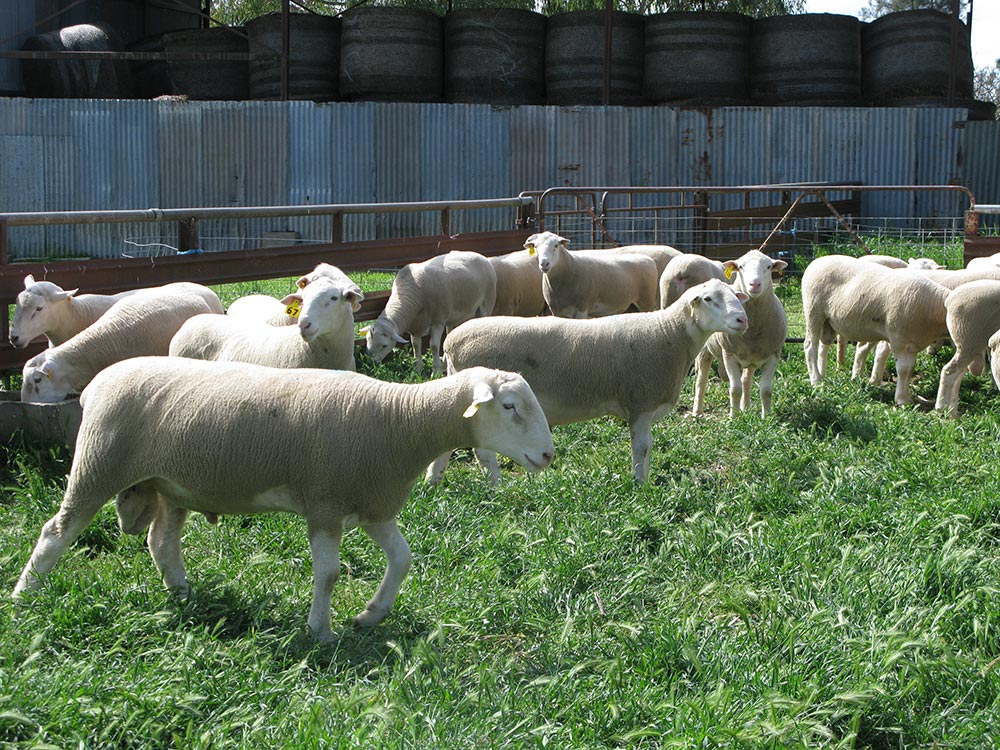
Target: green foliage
x=878, y=8
x=827, y=577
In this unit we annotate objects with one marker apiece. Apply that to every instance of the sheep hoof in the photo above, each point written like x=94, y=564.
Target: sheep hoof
x=369, y=618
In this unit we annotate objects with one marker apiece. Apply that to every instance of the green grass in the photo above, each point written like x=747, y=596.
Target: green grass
x=826, y=577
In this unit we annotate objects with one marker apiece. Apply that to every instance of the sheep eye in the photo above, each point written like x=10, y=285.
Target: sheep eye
x=39, y=309
x=508, y=406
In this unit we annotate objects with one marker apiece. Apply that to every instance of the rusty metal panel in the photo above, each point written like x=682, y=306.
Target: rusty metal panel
x=17, y=23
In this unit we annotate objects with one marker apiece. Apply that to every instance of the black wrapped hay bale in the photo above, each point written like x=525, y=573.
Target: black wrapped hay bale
x=391, y=54
x=574, y=58
x=698, y=58
x=313, y=56
x=908, y=54
x=807, y=59
x=208, y=79
x=76, y=77
x=494, y=56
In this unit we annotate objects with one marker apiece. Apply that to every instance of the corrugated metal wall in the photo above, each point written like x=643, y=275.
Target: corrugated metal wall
x=17, y=19
x=981, y=157
x=86, y=154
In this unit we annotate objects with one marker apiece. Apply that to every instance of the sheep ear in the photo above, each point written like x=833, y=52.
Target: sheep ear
x=303, y=282
x=779, y=266
x=482, y=394
x=28, y=280
x=693, y=307
x=399, y=339
x=64, y=295
x=530, y=247
x=365, y=330
x=742, y=296
x=354, y=298
x=729, y=268
x=292, y=298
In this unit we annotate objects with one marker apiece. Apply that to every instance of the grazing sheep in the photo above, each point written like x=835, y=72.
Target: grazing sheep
x=684, y=272
x=593, y=283
x=519, y=285
x=973, y=317
x=140, y=324
x=323, y=338
x=863, y=302
x=46, y=309
x=759, y=347
x=630, y=366
x=265, y=309
x=428, y=298
x=170, y=436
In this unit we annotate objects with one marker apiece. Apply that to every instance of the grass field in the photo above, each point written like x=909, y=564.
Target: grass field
x=826, y=577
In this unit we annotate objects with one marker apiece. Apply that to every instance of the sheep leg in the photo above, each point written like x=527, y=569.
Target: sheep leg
x=841, y=351
x=747, y=387
x=905, y=362
x=702, y=366
x=736, y=385
x=816, y=356
x=418, y=353
x=642, y=445
x=164, y=540
x=437, y=333
x=882, y=351
x=435, y=471
x=950, y=383
x=767, y=371
x=488, y=460
x=978, y=364
x=324, y=545
x=399, y=558
x=860, y=359
x=57, y=534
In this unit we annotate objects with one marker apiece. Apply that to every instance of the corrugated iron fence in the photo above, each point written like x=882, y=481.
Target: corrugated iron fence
x=60, y=155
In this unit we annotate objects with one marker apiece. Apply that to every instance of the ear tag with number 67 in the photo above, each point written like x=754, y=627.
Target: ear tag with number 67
x=293, y=310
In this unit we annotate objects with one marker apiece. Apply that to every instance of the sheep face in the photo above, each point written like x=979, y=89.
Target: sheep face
x=380, y=339
x=506, y=418
x=924, y=264
x=36, y=307
x=43, y=381
x=753, y=272
x=323, y=308
x=717, y=307
x=548, y=247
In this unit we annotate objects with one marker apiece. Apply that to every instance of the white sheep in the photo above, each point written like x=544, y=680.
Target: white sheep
x=519, y=285
x=986, y=261
x=338, y=448
x=324, y=336
x=685, y=271
x=140, y=324
x=661, y=255
x=46, y=309
x=994, y=347
x=759, y=347
x=973, y=317
x=866, y=302
x=630, y=366
x=266, y=309
x=593, y=283
x=429, y=298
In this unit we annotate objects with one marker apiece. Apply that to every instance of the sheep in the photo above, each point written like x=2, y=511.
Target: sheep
x=994, y=346
x=973, y=317
x=630, y=366
x=759, y=347
x=684, y=272
x=863, y=302
x=46, y=309
x=519, y=285
x=261, y=307
x=140, y=324
x=429, y=297
x=170, y=436
x=324, y=336
x=661, y=255
x=914, y=264
x=986, y=261
x=595, y=283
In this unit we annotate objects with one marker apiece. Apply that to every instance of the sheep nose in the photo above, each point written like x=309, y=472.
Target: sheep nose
x=14, y=339
x=305, y=327
x=742, y=322
x=547, y=458
x=543, y=265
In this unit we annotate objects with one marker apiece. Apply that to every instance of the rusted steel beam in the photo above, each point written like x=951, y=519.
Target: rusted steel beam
x=738, y=218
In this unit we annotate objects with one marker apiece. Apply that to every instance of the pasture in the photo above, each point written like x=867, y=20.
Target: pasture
x=827, y=577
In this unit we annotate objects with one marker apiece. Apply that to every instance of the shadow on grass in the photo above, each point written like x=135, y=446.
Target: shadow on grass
x=825, y=417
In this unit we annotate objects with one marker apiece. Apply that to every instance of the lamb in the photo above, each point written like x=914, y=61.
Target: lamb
x=140, y=324
x=338, y=448
x=519, y=285
x=261, y=307
x=759, y=347
x=863, y=302
x=428, y=298
x=684, y=272
x=46, y=309
x=324, y=336
x=973, y=317
x=595, y=283
x=630, y=366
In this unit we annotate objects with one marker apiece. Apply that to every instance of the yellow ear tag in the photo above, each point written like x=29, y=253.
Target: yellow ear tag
x=531, y=249
x=301, y=283
x=471, y=411
x=48, y=375
x=293, y=310
x=729, y=273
